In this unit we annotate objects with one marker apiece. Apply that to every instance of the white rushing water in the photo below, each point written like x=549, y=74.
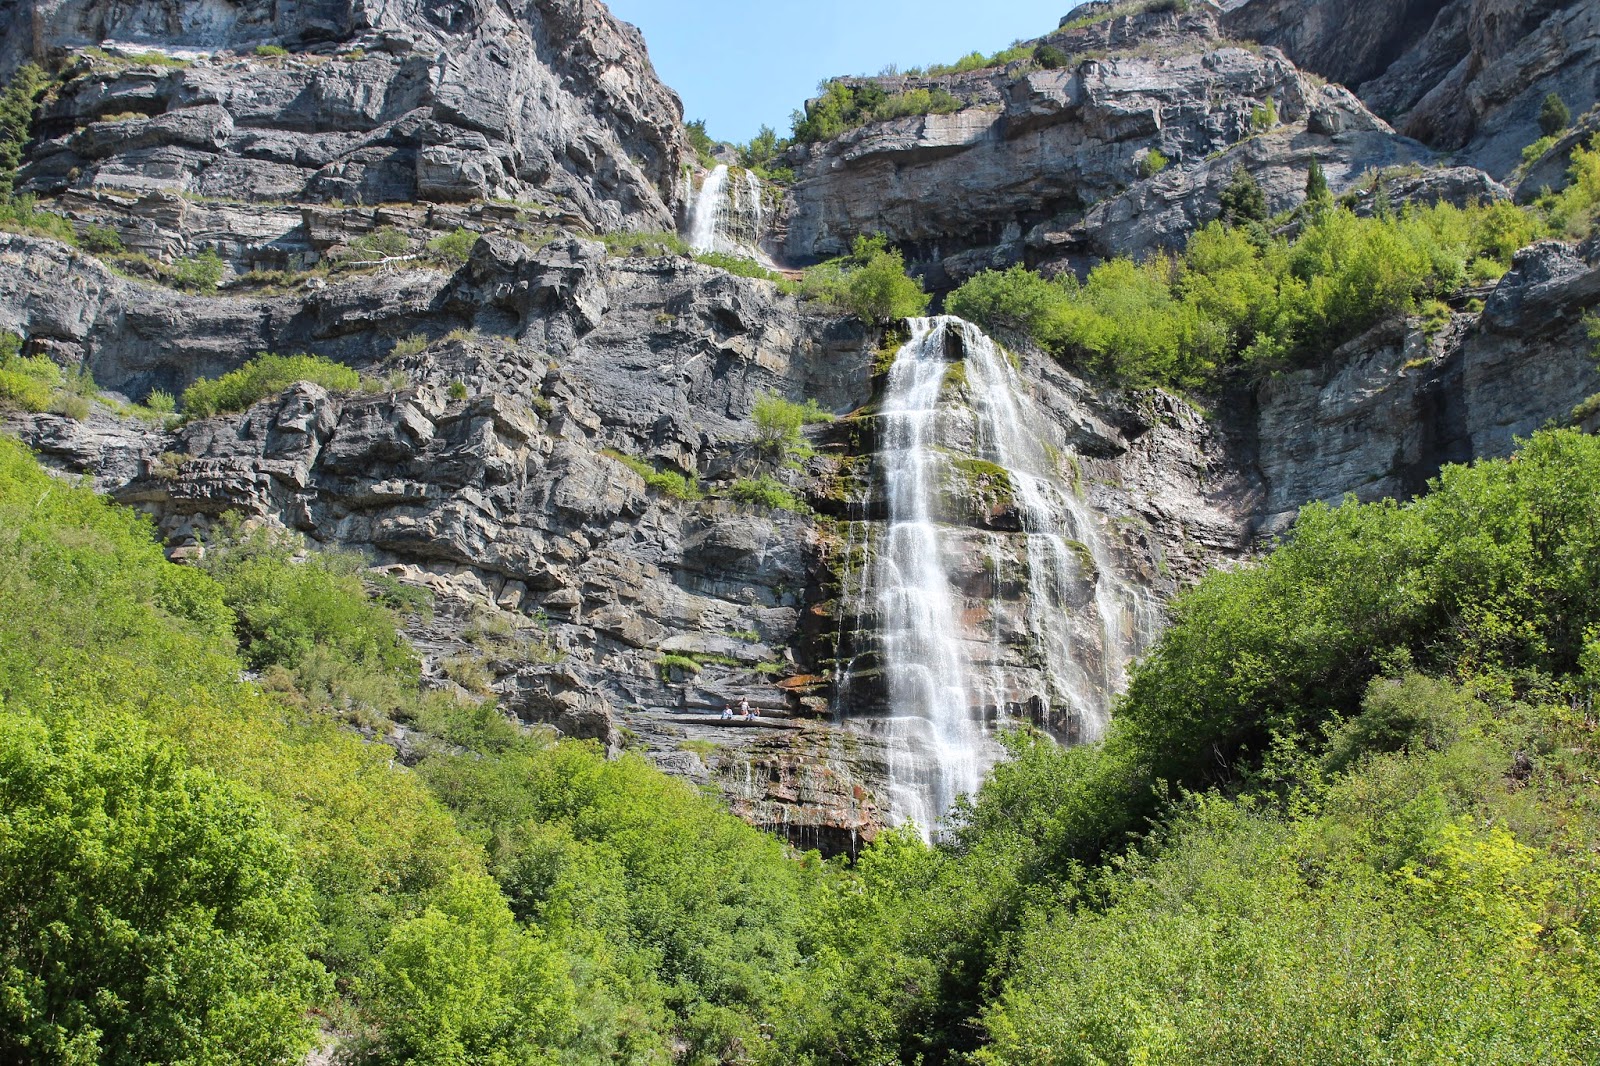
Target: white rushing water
x=728, y=216
x=1076, y=643
x=708, y=205
x=937, y=750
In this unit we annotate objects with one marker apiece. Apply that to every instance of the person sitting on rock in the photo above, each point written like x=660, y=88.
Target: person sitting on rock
x=727, y=712
x=744, y=708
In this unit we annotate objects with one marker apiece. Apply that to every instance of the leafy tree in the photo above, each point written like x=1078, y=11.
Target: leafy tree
x=871, y=283
x=151, y=912
x=1554, y=115
x=17, y=106
x=461, y=983
x=1317, y=192
x=701, y=142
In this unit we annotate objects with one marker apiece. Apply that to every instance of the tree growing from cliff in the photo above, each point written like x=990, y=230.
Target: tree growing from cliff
x=1242, y=200
x=1317, y=192
x=1554, y=115
x=17, y=105
x=870, y=283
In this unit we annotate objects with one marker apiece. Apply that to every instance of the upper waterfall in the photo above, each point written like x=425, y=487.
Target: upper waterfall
x=984, y=620
x=728, y=216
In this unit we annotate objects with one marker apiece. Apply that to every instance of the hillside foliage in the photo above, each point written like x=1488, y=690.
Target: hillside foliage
x=1344, y=807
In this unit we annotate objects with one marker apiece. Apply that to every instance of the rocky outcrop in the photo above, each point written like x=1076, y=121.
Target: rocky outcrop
x=1044, y=165
x=1388, y=409
x=549, y=101
x=1465, y=76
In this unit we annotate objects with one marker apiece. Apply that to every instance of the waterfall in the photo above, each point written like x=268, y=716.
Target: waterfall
x=937, y=751
x=956, y=663
x=728, y=216
x=707, y=207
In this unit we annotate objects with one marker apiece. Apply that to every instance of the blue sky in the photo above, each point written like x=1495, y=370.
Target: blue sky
x=740, y=63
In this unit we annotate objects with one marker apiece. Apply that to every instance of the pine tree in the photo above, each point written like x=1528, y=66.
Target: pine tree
x=1242, y=201
x=1554, y=116
x=1317, y=185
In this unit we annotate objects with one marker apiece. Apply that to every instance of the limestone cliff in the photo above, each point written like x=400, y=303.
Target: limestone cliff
x=1464, y=76
x=550, y=100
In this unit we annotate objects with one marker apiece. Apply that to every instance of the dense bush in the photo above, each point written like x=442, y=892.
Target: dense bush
x=780, y=424
x=453, y=248
x=701, y=142
x=871, y=283
x=1573, y=211
x=766, y=492
x=17, y=104
x=152, y=912
x=842, y=107
x=27, y=382
x=1236, y=298
x=199, y=273
x=264, y=376
x=667, y=482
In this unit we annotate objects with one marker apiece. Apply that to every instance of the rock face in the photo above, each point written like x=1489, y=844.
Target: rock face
x=549, y=101
x=1042, y=165
x=1391, y=407
x=1465, y=76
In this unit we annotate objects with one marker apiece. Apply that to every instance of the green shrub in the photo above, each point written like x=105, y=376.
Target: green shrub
x=1050, y=57
x=765, y=491
x=1237, y=298
x=271, y=51
x=455, y=247
x=702, y=143
x=20, y=215
x=1264, y=116
x=1535, y=151
x=385, y=242
x=458, y=390
x=842, y=108
x=27, y=382
x=409, y=345
x=1573, y=210
x=200, y=273
x=263, y=376
x=762, y=155
x=18, y=102
x=161, y=402
x=1554, y=115
x=779, y=425
x=1153, y=163
x=153, y=912
x=102, y=240
x=667, y=482
x=870, y=284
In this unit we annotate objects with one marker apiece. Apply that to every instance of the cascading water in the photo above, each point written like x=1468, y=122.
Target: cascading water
x=707, y=206
x=937, y=751
x=954, y=663
x=728, y=216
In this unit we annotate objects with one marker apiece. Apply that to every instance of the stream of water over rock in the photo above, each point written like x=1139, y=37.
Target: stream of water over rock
x=1026, y=620
x=728, y=216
